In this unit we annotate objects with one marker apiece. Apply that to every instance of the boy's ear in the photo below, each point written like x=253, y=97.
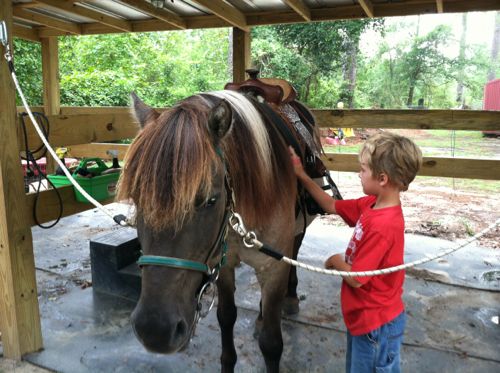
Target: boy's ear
x=383, y=179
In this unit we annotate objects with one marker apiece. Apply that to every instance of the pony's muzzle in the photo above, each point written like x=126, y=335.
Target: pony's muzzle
x=164, y=333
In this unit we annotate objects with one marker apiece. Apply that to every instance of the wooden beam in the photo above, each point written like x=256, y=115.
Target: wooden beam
x=241, y=54
x=225, y=11
x=68, y=27
x=50, y=211
x=93, y=28
x=463, y=168
x=367, y=7
x=74, y=8
x=111, y=124
x=19, y=314
x=50, y=80
x=50, y=76
x=457, y=6
x=485, y=169
x=161, y=14
x=97, y=150
x=476, y=120
x=439, y=6
x=299, y=7
x=67, y=130
x=26, y=33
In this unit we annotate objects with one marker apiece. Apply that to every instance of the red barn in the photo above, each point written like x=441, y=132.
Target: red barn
x=492, y=100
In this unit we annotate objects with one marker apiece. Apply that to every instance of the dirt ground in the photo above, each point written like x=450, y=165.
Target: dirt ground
x=447, y=208
x=437, y=208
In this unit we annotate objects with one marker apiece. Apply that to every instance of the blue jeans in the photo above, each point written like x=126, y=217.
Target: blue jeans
x=377, y=351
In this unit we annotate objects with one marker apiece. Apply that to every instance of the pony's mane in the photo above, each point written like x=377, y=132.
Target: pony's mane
x=170, y=163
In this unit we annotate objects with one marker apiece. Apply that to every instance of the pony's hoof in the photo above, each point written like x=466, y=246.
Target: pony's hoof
x=291, y=306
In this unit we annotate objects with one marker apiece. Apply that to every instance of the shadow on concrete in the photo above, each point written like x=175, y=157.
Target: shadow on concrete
x=452, y=311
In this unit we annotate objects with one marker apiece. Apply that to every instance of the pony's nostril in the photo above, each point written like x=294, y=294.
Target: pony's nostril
x=180, y=330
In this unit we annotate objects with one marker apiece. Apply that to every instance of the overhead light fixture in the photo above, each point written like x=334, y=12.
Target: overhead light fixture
x=158, y=3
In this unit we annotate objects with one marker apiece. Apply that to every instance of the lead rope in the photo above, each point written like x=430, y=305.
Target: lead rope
x=250, y=240
x=120, y=218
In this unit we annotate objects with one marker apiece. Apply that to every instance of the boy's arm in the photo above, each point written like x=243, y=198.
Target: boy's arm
x=337, y=262
x=323, y=199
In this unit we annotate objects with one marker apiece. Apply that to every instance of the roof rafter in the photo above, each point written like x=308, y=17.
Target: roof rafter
x=51, y=22
x=73, y=7
x=158, y=13
x=25, y=33
x=299, y=7
x=367, y=7
x=439, y=6
x=225, y=11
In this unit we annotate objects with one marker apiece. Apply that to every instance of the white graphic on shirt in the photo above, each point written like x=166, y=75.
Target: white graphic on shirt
x=356, y=237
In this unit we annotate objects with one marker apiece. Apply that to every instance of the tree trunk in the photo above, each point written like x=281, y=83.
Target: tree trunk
x=411, y=91
x=350, y=72
x=494, y=48
x=307, y=89
x=460, y=99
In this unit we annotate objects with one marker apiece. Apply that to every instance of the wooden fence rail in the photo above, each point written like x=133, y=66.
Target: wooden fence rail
x=87, y=131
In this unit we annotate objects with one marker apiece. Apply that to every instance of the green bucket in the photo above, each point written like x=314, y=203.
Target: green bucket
x=100, y=187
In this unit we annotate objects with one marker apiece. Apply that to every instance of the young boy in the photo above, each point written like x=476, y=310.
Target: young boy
x=372, y=306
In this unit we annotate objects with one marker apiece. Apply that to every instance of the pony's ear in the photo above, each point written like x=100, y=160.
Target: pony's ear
x=219, y=120
x=143, y=112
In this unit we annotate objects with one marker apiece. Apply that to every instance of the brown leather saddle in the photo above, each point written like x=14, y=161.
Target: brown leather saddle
x=272, y=90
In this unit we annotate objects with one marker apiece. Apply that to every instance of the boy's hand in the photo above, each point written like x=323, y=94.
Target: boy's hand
x=296, y=162
x=335, y=262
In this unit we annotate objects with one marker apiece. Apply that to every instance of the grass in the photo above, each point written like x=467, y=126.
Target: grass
x=467, y=144
x=470, y=185
x=442, y=143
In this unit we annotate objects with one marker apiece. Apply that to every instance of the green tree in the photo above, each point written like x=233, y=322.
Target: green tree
x=28, y=65
x=313, y=52
x=424, y=62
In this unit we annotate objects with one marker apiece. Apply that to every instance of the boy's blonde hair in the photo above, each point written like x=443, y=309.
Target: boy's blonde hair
x=396, y=156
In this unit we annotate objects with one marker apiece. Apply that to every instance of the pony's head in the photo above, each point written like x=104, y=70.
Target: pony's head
x=175, y=174
x=175, y=177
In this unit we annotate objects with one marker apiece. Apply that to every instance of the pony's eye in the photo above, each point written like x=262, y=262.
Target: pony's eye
x=202, y=202
x=211, y=201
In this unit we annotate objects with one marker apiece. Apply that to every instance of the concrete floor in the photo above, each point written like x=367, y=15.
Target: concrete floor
x=452, y=326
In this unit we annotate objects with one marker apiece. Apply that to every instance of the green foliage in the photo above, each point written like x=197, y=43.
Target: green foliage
x=28, y=64
x=322, y=60
x=307, y=54
x=161, y=68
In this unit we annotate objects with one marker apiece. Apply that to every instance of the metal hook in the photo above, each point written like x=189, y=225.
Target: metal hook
x=236, y=223
x=3, y=34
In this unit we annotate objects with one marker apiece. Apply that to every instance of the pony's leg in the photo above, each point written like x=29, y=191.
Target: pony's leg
x=226, y=315
x=291, y=304
x=258, y=323
x=273, y=294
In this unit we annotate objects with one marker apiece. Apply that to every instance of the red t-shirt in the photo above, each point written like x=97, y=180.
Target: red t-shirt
x=377, y=242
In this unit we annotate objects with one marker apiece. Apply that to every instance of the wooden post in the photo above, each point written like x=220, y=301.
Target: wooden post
x=241, y=54
x=19, y=314
x=51, y=93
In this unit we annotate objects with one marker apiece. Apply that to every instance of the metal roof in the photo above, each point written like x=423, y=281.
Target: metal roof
x=43, y=18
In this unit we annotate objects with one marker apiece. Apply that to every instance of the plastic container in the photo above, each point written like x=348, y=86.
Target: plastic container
x=100, y=187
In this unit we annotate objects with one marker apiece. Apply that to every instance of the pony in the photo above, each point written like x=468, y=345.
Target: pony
x=210, y=162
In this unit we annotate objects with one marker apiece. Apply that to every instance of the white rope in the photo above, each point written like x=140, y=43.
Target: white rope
x=51, y=151
x=377, y=272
